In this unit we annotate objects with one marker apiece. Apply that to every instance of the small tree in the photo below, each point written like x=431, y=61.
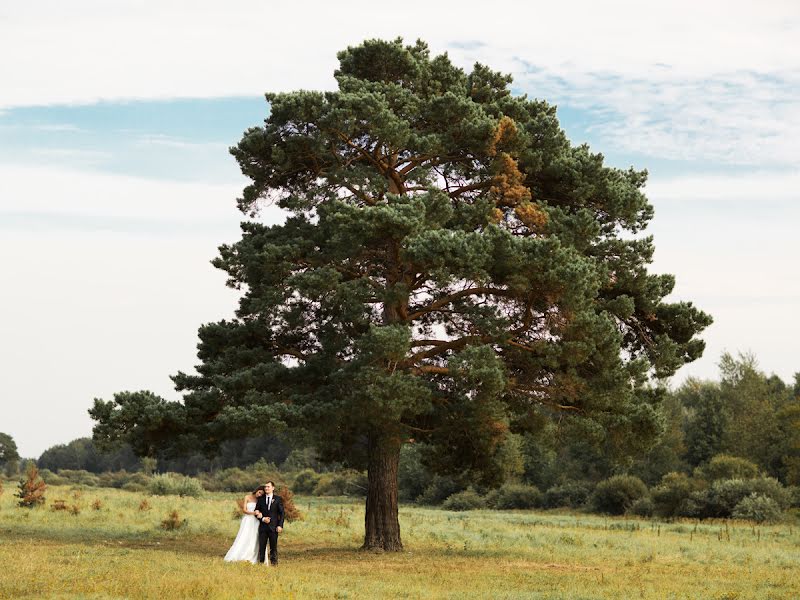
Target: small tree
x=291, y=512
x=31, y=488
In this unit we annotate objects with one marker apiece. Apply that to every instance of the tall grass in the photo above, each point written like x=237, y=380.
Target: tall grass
x=121, y=551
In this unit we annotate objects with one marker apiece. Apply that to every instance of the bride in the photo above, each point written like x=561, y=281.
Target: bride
x=245, y=546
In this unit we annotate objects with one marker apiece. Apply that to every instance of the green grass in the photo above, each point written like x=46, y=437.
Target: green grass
x=121, y=552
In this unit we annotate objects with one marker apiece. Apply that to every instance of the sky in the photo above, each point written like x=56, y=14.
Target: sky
x=116, y=186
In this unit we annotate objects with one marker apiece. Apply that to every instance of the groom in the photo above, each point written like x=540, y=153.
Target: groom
x=269, y=512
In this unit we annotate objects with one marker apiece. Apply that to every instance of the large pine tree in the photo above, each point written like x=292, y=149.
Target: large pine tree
x=451, y=270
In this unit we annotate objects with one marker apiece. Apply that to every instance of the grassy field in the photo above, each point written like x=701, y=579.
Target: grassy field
x=120, y=551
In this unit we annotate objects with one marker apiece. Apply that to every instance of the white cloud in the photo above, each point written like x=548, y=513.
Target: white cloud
x=107, y=294
x=42, y=190
x=755, y=187
x=733, y=117
x=709, y=80
x=91, y=49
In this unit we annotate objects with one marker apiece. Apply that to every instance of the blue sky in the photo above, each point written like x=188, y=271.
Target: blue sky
x=116, y=185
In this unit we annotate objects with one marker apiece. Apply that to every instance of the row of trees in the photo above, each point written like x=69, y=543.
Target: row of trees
x=744, y=414
x=83, y=454
x=9, y=455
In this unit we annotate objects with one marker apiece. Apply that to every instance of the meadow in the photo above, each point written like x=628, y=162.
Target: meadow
x=111, y=546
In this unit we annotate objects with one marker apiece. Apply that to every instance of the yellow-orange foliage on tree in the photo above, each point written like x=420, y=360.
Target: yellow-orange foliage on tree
x=31, y=488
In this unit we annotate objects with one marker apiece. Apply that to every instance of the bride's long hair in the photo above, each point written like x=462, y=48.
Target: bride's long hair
x=258, y=489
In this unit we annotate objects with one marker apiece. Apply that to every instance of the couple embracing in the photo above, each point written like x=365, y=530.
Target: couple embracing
x=260, y=526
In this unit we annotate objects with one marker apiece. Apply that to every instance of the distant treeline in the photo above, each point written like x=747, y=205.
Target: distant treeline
x=745, y=427
x=82, y=454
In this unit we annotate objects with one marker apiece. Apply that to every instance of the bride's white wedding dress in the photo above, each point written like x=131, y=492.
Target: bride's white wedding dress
x=245, y=546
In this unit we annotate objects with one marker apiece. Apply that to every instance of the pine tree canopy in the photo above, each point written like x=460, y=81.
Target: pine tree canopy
x=451, y=270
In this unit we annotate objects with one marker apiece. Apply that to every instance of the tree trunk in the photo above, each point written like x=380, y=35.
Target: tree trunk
x=381, y=523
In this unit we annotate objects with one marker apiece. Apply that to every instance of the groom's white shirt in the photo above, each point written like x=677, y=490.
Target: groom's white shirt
x=269, y=501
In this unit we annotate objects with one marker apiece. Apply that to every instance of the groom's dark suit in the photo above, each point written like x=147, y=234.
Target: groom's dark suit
x=267, y=531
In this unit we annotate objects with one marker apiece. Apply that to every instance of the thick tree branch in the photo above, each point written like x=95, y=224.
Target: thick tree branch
x=476, y=291
x=444, y=347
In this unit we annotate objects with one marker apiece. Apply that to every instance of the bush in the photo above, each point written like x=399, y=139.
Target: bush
x=51, y=478
x=724, y=466
x=760, y=509
x=643, y=507
x=469, y=499
x=673, y=491
x=124, y=480
x=617, y=494
x=173, y=521
x=722, y=497
x=438, y=490
x=342, y=483
x=173, y=484
x=291, y=512
x=305, y=481
x=571, y=494
x=241, y=480
x=490, y=498
x=133, y=486
x=794, y=496
x=515, y=495
x=79, y=477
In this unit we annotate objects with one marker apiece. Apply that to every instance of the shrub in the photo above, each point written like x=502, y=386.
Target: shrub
x=173, y=521
x=305, y=481
x=757, y=508
x=173, y=484
x=727, y=494
x=133, y=486
x=97, y=505
x=490, y=498
x=291, y=512
x=724, y=466
x=516, y=495
x=59, y=505
x=51, y=478
x=79, y=477
x=643, y=507
x=31, y=488
x=438, y=490
x=342, y=483
x=794, y=496
x=469, y=499
x=571, y=494
x=673, y=491
x=617, y=494
x=241, y=480
x=144, y=505
x=723, y=496
x=123, y=480
x=238, y=511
